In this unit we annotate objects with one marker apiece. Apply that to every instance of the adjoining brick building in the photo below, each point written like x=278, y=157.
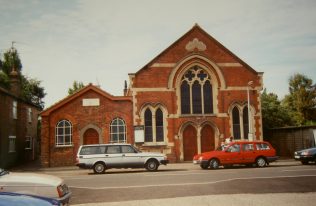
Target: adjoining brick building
x=18, y=125
x=186, y=100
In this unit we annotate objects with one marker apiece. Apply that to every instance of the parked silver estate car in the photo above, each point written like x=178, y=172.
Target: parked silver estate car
x=106, y=156
x=35, y=184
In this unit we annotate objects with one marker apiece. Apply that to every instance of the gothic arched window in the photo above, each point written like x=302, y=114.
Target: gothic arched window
x=245, y=122
x=196, y=92
x=148, y=126
x=159, y=126
x=236, y=123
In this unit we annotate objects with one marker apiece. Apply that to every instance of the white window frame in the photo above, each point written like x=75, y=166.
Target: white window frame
x=118, y=132
x=63, y=134
x=28, y=142
x=153, y=116
x=29, y=114
x=12, y=144
x=15, y=109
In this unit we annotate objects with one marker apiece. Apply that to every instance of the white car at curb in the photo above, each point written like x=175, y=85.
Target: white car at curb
x=101, y=157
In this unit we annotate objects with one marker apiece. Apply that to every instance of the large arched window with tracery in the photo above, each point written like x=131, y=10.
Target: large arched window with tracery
x=196, y=92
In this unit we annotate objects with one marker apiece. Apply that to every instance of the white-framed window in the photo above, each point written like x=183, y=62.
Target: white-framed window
x=154, y=122
x=29, y=115
x=28, y=142
x=117, y=131
x=64, y=133
x=12, y=140
x=240, y=125
x=15, y=109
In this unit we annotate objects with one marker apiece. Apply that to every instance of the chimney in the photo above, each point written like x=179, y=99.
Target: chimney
x=125, y=88
x=15, y=82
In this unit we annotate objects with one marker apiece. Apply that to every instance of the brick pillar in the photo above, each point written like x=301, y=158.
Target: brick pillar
x=45, y=143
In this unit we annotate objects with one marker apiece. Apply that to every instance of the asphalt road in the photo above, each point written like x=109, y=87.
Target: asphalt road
x=185, y=180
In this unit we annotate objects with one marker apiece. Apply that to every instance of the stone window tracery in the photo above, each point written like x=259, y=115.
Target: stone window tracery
x=196, y=92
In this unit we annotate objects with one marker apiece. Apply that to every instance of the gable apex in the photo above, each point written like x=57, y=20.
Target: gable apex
x=197, y=44
x=89, y=87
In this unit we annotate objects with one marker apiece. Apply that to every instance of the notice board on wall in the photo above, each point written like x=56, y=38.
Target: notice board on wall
x=139, y=134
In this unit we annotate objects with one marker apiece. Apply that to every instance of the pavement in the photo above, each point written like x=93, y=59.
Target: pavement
x=280, y=199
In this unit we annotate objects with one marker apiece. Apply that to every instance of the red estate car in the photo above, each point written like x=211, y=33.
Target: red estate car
x=245, y=152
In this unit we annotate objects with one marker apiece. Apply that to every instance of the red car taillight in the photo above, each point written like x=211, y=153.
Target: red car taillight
x=60, y=191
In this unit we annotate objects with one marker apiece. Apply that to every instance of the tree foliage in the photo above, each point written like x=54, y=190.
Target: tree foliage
x=302, y=97
x=76, y=86
x=31, y=89
x=11, y=59
x=274, y=114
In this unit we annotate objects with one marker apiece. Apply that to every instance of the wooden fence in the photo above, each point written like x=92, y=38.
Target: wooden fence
x=290, y=139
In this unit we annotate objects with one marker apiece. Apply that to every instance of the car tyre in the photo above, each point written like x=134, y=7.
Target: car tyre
x=99, y=168
x=214, y=164
x=204, y=166
x=152, y=165
x=261, y=162
x=304, y=162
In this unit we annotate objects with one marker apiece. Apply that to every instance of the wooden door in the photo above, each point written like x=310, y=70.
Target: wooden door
x=207, y=139
x=91, y=136
x=189, y=143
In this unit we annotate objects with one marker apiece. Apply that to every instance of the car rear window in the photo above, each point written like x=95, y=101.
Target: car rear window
x=92, y=150
x=115, y=149
x=262, y=146
x=247, y=147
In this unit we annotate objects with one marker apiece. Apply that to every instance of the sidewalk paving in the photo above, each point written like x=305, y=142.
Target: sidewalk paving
x=280, y=199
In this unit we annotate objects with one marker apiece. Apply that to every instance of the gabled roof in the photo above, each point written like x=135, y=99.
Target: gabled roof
x=85, y=89
x=199, y=29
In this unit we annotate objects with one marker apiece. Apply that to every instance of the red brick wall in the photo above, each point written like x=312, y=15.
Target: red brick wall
x=231, y=90
x=100, y=116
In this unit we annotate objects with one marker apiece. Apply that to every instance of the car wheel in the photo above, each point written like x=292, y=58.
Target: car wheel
x=99, y=168
x=152, y=165
x=204, y=167
x=261, y=162
x=304, y=162
x=214, y=164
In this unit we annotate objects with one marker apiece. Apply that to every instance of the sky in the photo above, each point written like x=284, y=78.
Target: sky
x=101, y=41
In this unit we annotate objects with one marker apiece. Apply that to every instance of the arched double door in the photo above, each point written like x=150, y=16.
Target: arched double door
x=195, y=141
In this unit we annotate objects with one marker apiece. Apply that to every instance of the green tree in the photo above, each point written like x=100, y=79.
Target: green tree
x=274, y=114
x=11, y=60
x=31, y=89
x=302, y=97
x=76, y=86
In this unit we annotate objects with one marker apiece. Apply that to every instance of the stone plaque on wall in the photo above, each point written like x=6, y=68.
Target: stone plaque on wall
x=90, y=102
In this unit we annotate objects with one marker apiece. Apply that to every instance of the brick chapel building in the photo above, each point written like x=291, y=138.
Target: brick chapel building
x=185, y=101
